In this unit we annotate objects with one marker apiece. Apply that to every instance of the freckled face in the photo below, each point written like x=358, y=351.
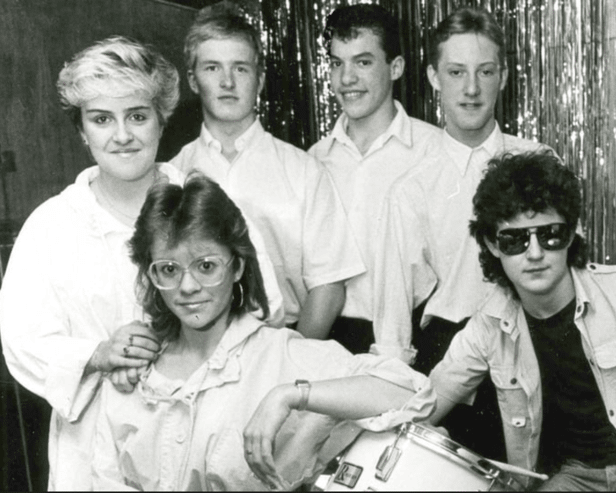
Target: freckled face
x=199, y=308
x=469, y=78
x=361, y=78
x=122, y=134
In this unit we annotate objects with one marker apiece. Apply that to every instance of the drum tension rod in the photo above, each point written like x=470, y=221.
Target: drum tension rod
x=389, y=457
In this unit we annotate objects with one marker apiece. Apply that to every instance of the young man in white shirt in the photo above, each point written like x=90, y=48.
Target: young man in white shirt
x=546, y=333
x=287, y=194
x=372, y=144
x=427, y=272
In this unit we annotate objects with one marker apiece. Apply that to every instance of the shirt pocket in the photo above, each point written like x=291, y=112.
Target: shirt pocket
x=512, y=399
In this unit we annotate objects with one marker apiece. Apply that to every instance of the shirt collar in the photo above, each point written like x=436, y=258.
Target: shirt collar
x=400, y=128
x=505, y=306
x=252, y=134
x=461, y=154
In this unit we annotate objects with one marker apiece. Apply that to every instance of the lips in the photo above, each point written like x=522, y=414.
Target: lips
x=193, y=305
x=351, y=95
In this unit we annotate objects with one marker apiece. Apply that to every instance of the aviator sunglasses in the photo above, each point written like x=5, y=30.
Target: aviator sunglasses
x=514, y=241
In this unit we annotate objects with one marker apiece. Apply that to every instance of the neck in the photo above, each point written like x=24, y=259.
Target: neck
x=123, y=198
x=472, y=138
x=547, y=304
x=227, y=132
x=364, y=131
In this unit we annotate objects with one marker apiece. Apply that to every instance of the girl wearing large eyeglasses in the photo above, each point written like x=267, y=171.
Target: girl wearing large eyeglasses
x=230, y=403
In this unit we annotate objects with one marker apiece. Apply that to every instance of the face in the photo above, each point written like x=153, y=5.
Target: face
x=199, y=308
x=122, y=134
x=361, y=78
x=537, y=271
x=227, y=79
x=469, y=78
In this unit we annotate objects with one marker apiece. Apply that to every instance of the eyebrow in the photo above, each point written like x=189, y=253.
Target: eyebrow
x=132, y=108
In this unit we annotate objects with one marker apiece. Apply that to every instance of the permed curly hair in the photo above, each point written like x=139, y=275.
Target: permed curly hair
x=118, y=65
x=345, y=22
x=200, y=209
x=517, y=183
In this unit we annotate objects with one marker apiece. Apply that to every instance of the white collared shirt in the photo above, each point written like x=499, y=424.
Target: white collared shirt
x=363, y=183
x=426, y=251
x=291, y=199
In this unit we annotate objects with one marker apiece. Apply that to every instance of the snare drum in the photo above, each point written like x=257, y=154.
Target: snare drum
x=415, y=458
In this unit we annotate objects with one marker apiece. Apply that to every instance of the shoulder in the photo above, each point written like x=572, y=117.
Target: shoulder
x=321, y=148
x=423, y=129
x=514, y=144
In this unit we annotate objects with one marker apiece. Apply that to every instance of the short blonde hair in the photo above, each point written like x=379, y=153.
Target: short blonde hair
x=221, y=21
x=117, y=66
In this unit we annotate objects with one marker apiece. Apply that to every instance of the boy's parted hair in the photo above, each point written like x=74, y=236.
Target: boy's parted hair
x=344, y=23
x=199, y=209
x=463, y=21
x=517, y=183
x=118, y=66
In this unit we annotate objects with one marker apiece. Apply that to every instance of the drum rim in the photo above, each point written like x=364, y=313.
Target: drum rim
x=440, y=443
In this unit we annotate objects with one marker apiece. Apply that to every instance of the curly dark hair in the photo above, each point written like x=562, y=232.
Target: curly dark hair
x=345, y=22
x=516, y=183
x=199, y=209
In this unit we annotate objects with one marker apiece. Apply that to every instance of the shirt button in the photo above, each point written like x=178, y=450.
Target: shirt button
x=514, y=381
x=506, y=324
x=611, y=412
x=592, y=266
x=180, y=438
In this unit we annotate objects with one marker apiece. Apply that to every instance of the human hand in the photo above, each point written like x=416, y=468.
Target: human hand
x=131, y=346
x=125, y=379
x=260, y=433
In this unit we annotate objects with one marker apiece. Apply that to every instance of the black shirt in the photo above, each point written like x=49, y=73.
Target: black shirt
x=575, y=421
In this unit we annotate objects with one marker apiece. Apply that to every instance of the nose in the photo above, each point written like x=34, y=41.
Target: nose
x=472, y=85
x=534, y=251
x=227, y=79
x=348, y=75
x=123, y=133
x=188, y=284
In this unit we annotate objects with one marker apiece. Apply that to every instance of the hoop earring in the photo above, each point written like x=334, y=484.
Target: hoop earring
x=241, y=295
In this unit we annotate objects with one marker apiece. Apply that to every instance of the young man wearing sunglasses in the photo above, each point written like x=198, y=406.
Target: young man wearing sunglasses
x=546, y=333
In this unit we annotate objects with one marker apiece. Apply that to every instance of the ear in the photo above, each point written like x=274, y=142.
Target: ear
x=240, y=270
x=397, y=67
x=433, y=78
x=492, y=247
x=192, y=82
x=504, y=75
x=84, y=138
x=261, y=80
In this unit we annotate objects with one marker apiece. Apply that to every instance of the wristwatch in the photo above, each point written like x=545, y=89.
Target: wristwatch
x=304, y=391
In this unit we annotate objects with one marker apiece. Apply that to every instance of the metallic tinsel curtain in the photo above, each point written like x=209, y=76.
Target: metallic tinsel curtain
x=557, y=92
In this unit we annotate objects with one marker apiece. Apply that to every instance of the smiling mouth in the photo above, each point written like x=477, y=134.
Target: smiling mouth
x=352, y=95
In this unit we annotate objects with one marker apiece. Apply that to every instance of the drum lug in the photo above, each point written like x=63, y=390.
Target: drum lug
x=387, y=462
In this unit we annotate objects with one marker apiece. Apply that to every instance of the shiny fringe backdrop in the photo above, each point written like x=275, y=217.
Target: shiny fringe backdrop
x=557, y=91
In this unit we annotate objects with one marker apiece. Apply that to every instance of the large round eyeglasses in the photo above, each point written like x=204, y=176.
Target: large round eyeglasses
x=207, y=271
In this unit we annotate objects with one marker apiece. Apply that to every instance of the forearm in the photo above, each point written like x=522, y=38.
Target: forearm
x=349, y=397
x=323, y=304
